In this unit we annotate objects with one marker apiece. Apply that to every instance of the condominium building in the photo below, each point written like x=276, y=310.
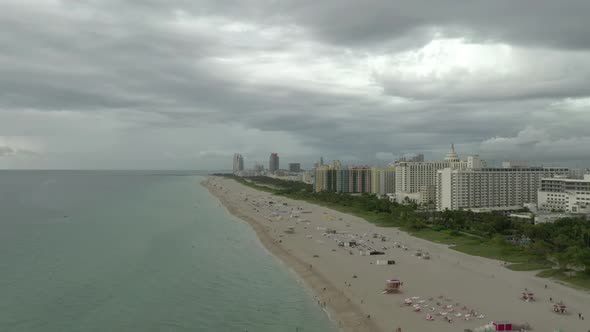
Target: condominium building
x=493, y=188
x=238, y=163
x=359, y=179
x=343, y=180
x=273, y=162
x=382, y=180
x=325, y=178
x=561, y=194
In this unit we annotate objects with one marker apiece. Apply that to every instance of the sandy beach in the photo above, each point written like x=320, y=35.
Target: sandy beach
x=348, y=283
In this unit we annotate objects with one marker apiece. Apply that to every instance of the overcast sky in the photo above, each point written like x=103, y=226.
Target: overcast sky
x=184, y=84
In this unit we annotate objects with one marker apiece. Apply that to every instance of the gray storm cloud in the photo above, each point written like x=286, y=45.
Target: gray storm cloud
x=185, y=84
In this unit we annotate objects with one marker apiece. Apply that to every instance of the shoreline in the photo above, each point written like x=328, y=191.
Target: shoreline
x=338, y=308
x=348, y=283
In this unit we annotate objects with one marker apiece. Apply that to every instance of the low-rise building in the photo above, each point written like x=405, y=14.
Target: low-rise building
x=406, y=198
x=309, y=177
x=561, y=194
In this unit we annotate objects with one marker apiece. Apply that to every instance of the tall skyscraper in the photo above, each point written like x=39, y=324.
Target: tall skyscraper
x=273, y=162
x=238, y=163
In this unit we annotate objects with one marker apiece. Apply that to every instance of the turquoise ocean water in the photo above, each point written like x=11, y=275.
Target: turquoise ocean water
x=136, y=251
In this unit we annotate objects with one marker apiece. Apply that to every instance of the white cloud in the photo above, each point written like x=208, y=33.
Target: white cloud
x=536, y=144
x=573, y=104
x=387, y=156
x=454, y=69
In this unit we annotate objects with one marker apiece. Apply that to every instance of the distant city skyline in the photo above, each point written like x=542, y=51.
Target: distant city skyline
x=409, y=156
x=458, y=182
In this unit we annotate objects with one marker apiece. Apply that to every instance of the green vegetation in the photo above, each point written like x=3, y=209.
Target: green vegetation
x=578, y=280
x=493, y=235
x=528, y=266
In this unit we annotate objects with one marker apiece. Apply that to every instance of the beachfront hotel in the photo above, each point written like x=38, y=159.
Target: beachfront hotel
x=478, y=188
x=417, y=180
x=561, y=194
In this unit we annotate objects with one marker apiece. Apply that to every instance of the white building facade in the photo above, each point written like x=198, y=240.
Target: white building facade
x=421, y=177
x=564, y=195
x=490, y=188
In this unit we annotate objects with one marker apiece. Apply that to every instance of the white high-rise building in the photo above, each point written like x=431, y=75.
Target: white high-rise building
x=563, y=194
x=490, y=188
x=421, y=177
x=238, y=163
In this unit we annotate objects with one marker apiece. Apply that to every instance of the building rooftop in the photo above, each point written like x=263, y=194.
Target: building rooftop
x=561, y=179
x=452, y=155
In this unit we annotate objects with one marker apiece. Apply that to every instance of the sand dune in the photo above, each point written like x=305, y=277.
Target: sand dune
x=349, y=285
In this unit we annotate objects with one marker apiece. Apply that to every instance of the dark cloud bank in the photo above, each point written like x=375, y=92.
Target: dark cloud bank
x=184, y=84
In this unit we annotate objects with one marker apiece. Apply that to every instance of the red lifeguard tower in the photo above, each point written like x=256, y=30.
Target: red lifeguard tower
x=502, y=326
x=560, y=308
x=393, y=286
x=528, y=296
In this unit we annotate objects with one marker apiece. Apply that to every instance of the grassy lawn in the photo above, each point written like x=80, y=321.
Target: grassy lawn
x=580, y=280
x=533, y=266
x=443, y=237
x=369, y=216
x=476, y=246
x=255, y=186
